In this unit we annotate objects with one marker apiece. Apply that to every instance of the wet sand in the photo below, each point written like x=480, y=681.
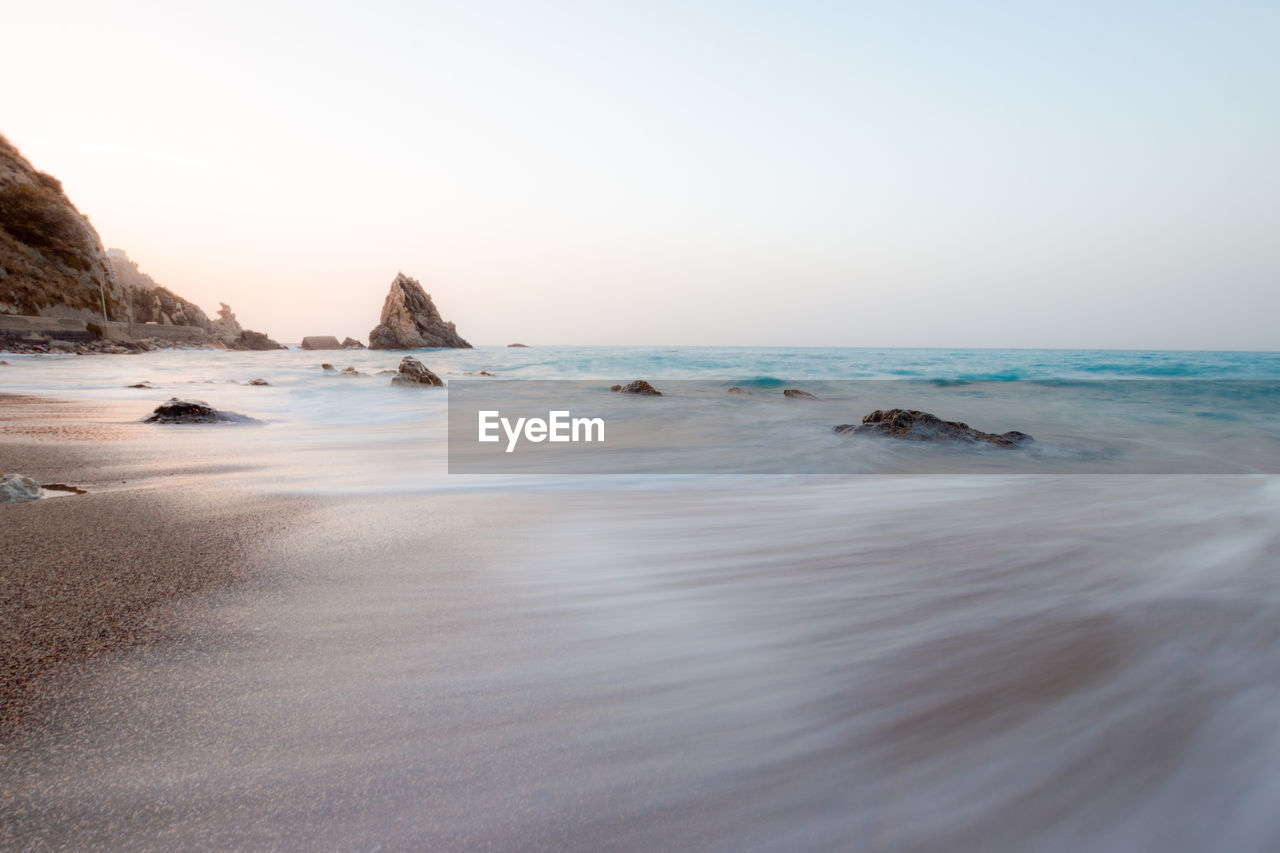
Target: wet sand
x=89, y=575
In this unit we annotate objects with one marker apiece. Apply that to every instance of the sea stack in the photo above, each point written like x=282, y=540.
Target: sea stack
x=410, y=320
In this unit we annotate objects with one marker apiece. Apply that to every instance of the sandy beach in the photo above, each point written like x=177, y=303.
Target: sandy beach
x=87, y=576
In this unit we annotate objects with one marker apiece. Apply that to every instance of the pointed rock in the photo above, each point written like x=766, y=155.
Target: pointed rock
x=410, y=320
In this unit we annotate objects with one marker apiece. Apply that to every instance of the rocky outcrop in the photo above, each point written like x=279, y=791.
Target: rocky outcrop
x=53, y=265
x=351, y=343
x=637, y=387
x=144, y=301
x=16, y=488
x=410, y=320
x=321, y=342
x=228, y=332
x=176, y=411
x=413, y=373
x=914, y=425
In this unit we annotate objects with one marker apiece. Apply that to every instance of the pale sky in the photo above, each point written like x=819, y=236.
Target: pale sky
x=739, y=173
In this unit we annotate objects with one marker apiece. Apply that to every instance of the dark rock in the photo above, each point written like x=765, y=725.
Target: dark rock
x=637, y=387
x=327, y=367
x=414, y=373
x=177, y=411
x=350, y=371
x=142, y=385
x=736, y=390
x=914, y=425
x=797, y=394
x=259, y=382
x=351, y=343
x=321, y=342
x=410, y=320
x=522, y=346
x=485, y=373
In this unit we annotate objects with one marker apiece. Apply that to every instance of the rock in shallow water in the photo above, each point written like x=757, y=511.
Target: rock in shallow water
x=16, y=488
x=637, y=387
x=177, y=411
x=414, y=373
x=797, y=394
x=915, y=425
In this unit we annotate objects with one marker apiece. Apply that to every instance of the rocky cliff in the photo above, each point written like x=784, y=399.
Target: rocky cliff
x=410, y=320
x=145, y=301
x=52, y=264
x=51, y=260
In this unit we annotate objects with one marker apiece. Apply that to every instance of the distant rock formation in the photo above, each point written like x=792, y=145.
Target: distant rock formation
x=228, y=332
x=638, y=387
x=522, y=346
x=142, y=300
x=321, y=342
x=351, y=343
x=914, y=425
x=414, y=373
x=410, y=320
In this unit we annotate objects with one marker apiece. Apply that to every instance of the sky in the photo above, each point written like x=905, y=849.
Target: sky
x=676, y=173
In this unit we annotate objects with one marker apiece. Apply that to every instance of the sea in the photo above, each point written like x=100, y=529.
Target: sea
x=783, y=639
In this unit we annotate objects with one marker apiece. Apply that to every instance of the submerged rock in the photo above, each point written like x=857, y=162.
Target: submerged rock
x=142, y=385
x=350, y=371
x=410, y=320
x=328, y=368
x=176, y=411
x=637, y=387
x=797, y=394
x=736, y=390
x=522, y=346
x=351, y=343
x=259, y=382
x=914, y=425
x=415, y=374
x=16, y=488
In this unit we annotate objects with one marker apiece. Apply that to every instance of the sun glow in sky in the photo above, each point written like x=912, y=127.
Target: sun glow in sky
x=949, y=174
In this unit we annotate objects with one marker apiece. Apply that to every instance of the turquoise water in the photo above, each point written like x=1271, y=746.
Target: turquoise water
x=768, y=364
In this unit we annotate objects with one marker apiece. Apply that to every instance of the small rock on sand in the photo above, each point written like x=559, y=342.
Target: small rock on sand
x=16, y=488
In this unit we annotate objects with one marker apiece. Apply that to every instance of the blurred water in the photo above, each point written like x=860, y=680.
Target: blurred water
x=817, y=662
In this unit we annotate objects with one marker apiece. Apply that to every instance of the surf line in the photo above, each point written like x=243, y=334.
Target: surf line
x=559, y=426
